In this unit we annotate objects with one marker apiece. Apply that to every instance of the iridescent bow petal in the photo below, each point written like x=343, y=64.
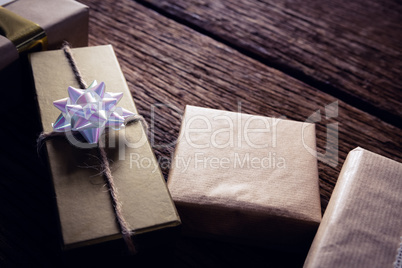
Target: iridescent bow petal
x=90, y=111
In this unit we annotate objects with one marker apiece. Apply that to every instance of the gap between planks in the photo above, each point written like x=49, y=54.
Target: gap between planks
x=355, y=101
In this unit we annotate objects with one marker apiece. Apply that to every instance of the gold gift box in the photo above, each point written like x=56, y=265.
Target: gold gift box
x=84, y=204
x=362, y=225
x=246, y=178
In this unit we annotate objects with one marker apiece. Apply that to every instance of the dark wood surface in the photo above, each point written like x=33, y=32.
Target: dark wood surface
x=350, y=49
x=277, y=58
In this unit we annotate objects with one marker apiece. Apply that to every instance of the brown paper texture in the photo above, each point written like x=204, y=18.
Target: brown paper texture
x=249, y=177
x=362, y=224
x=61, y=20
x=84, y=204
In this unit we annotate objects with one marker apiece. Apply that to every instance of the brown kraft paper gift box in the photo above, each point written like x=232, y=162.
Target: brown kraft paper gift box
x=84, y=204
x=246, y=178
x=362, y=225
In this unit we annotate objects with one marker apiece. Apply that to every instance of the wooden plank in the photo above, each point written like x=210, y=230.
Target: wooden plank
x=170, y=64
x=350, y=49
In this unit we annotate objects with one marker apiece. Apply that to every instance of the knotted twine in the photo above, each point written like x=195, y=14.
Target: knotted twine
x=125, y=230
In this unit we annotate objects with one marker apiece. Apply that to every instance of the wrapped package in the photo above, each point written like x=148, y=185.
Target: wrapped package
x=83, y=201
x=246, y=178
x=362, y=225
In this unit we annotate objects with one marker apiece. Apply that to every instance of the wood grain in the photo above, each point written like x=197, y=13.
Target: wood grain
x=350, y=49
x=170, y=65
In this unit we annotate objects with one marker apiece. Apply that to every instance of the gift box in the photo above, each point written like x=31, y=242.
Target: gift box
x=83, y=201
x=27, y=23
x=246, y=178
x=362, y=225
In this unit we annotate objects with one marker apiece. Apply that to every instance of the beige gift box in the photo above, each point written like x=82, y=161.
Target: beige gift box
x=246, y=178
x=362, y=225
x=84, y=204
x=60, y=19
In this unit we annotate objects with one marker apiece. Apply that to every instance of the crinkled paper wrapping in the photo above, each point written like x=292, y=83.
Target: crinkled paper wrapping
x=61, y=20
x=84, y=204
x=228, y=187
x=362, y=225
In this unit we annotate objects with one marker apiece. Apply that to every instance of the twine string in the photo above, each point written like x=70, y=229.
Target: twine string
x=69, y=55
x=106, y=170
x=124, y=227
